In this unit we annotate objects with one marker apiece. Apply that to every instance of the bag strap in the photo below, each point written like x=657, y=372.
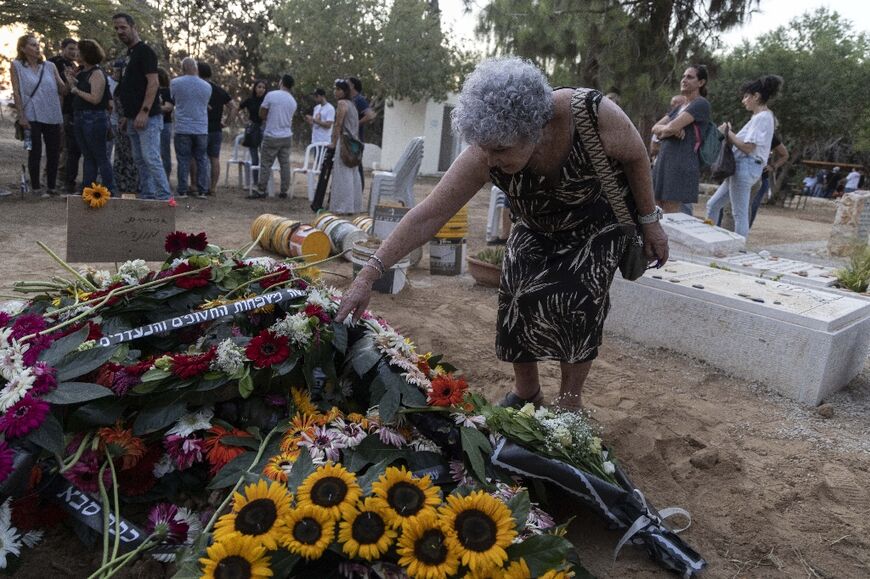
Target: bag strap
x=584, y=105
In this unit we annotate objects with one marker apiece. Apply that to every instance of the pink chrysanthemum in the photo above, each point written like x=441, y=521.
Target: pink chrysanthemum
x=85, y=473
x=4, y=319
x=183, y=450
x=7, y=456
x=26, y=325
x=46, y=380
x=163, y=519
x=25, y=415
x=37, y=344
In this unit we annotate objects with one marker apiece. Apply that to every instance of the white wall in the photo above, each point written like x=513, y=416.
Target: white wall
x=404, y=120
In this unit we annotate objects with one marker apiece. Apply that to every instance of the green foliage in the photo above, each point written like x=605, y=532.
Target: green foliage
x=824, y=104
x=856, y=275
x=493, y=255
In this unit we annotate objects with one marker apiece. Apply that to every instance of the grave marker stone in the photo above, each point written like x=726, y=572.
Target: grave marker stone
x=120, y=230
x=773, y=268
x=851, y=223
x=690, y=235
x=805, y=343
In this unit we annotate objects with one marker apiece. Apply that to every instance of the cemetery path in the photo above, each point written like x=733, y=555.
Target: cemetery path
x=775, y=490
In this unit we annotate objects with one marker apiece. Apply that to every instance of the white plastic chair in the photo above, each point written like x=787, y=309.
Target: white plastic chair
x=241, y=157
x=398, y=183
x=311, y=164
x=276, y=167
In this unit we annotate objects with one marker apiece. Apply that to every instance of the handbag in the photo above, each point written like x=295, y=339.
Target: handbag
x=253, y=136
x=351, y=149
x=725, y=165
x=634, y=261
x=19, y=130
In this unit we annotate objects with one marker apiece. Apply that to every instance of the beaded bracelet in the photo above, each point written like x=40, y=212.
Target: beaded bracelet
x=377, y=264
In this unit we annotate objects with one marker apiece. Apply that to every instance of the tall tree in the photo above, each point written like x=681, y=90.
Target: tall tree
x=637, y=46
x=823, y=111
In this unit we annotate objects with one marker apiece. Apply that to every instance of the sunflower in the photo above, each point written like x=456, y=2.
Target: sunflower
x=310, y=531
x=279, y=466
x=403, y=496
x=261, y=513
x=424, y=550
x=480, y=527
x=238, y=557
x=302, y=401
x=330, y=487
x=364, y=532
x=96, y=195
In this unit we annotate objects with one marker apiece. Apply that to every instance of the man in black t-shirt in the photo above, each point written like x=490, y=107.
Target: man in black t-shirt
x=216, y=104
x=143, y=119
x=68, y=169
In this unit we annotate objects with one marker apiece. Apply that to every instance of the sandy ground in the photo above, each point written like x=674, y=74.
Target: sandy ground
x=774, y=489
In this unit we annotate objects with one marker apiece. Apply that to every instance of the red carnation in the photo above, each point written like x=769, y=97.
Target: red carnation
x=201, y=279
x=278, y=276
x=189, y=366
x=268, y=349
x=197, y=242
x=176, y=242
x=316, y=311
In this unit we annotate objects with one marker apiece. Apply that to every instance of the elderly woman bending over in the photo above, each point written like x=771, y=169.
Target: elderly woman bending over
x=566, y=243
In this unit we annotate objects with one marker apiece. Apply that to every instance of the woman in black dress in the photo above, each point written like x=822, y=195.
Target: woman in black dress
x=254, y=131
x=533, y=143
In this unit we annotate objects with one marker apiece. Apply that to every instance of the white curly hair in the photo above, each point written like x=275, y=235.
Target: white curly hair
x=504, y=101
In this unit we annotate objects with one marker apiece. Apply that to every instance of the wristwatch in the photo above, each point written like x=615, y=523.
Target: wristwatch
x=651, y=218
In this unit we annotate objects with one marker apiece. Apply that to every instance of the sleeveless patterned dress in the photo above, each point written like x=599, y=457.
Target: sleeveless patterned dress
x=560, y=258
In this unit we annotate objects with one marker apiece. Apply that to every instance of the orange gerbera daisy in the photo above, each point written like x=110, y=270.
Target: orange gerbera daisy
x=122, y=444
x=217, y=451
x=96, y=195
x=301, y=424
x=324, y=419
x=447, y=390
x=302, y=401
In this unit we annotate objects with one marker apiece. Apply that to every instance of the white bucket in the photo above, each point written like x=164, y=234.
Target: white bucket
x=447, y=256
x=393, y=279
x=386, y=218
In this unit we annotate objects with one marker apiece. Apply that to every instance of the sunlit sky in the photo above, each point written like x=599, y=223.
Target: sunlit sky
x=770, y=15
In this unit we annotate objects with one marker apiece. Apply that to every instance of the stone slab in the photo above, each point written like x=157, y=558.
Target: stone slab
x=122, y=229
x=851, y=223
x=771, y=267
x=688, y=234
x=805, y=343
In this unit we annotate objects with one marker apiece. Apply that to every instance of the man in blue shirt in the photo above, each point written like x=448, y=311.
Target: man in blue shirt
x=191, y=95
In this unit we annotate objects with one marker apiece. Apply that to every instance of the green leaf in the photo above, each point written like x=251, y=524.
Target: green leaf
x=339, y=339
x=287, y=365
x=63, y=346
x=102, y=412
x=475, y=446
x=155, y=375
x=245, y=441
x=372, y=451
x=301, y=469
x=77, y=364
x=541, y=552
x=282, y=562
x=75, y=392
x=157, y=417
x=233, y=471
x=520, y=505
x=372, y=474
x=246, y=386
x=388, y=405
x=49, y=435
x=363, y=355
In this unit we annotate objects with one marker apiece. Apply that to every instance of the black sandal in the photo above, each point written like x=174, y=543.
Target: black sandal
x=512, y=400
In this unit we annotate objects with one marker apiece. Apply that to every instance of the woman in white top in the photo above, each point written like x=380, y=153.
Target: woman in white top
x=37, y=89
x=751, y=148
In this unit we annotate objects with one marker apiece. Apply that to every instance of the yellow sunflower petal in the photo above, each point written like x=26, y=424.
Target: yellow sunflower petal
x=424, y=550
x=260, y=513
x=480, y=527
x=310, y=530
x=238, y=556
x=404, y=496
x=330, y=487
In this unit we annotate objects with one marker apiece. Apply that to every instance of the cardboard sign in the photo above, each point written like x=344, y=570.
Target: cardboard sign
x=120, y=230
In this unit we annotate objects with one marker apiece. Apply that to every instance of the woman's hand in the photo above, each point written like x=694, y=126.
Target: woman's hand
x=655, y=242
x=725, y=129
x=356, y=298
x=22, y=120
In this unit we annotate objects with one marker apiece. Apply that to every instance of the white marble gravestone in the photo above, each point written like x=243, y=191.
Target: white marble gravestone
x=690, y=235
x=805, y=343
x=774, y=268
